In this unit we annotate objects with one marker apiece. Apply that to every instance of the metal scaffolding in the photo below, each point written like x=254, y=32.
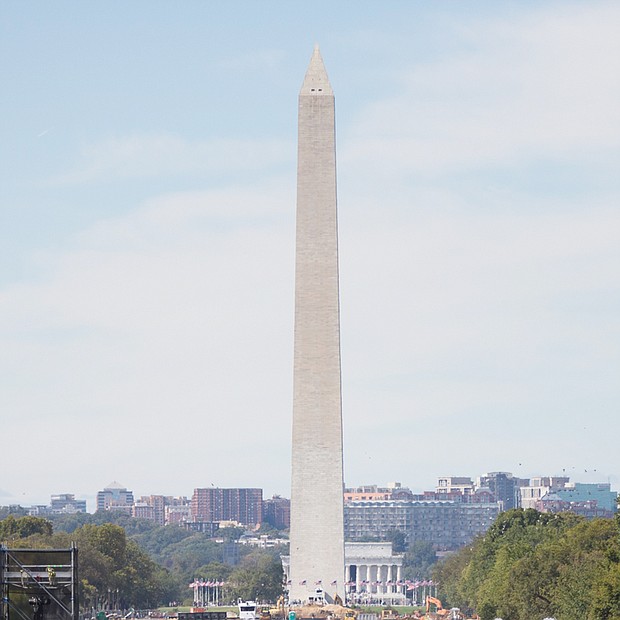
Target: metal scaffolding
x=39, y=584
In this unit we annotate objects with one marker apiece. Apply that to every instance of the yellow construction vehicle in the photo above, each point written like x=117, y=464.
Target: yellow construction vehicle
x=453, y=613
x=279, y=611
x=439, y=612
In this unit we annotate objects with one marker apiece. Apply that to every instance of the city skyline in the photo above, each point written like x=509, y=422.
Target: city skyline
x=147, y=231
x=370, y=489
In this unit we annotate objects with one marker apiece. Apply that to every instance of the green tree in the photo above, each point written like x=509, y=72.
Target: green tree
x=184, y=557
x=398, y=540
x=214, y=571
x=13, y=528
x=108, y=539
x=259, y=577
x=70, y=522
x=270, y=530
x=535, y=565
x=114, y=568
x=606, y=596
x=156, y=540
x=419, y=560
x=18, y=511
x=449, y=573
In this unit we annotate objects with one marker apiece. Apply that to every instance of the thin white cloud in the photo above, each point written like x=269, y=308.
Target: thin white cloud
x=454, y=315
x=184, y=329
x=545, y=85
x=142, y=156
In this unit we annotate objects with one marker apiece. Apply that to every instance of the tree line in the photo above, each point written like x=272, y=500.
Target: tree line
x=135, y=563
x=527, y=565
x=537, y=565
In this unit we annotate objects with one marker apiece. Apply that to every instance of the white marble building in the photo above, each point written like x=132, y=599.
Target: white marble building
x=372, y=572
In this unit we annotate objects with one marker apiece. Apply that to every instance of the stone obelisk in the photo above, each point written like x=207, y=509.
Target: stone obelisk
x=317, y=529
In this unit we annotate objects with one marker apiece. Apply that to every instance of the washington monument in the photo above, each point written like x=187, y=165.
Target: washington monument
x=317, y=528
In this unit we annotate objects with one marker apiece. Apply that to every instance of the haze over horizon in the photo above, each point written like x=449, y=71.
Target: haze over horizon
x=147, y=241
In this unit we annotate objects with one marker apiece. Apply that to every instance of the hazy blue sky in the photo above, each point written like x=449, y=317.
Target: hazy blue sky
x=148, y=156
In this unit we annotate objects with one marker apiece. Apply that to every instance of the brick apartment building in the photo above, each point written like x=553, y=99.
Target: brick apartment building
x=277, y=512
x=214, y=504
